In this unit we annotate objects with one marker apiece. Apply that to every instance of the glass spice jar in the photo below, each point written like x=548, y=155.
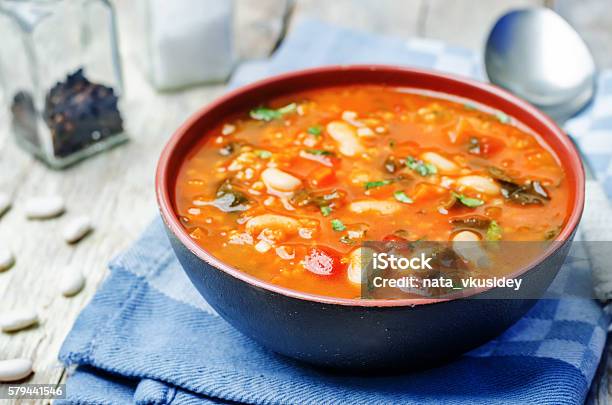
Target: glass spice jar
x=61, y=76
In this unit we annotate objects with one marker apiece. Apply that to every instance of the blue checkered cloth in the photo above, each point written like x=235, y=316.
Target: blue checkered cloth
x=148, y=337
x=592, y=130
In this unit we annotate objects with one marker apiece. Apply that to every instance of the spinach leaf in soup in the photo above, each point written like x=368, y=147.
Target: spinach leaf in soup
x=229, y=199
x=270, y=114
x=529, y=193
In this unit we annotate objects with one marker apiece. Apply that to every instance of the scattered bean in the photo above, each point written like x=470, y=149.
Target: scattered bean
x=5, y=203
x=72, y=285
x=356, y=260
x=280, y=223
x=77, y=229
x=467, y=245
x=481, y=184
x=7, y=260
x=279, y=180
x=466, y=236
x=383, y=207
x=44, y=207
x=345, y=135
x=17, y=320
x=15, y=369
x=444, y=165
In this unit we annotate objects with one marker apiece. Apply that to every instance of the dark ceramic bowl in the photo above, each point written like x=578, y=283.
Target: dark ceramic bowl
x=351, y=333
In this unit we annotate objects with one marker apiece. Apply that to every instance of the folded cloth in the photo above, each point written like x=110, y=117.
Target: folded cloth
x=148, y=337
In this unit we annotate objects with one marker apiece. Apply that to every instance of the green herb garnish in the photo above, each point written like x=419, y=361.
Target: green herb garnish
x=422, y=168
x=494, y=232
x=402, y=197
x=552, y=233
x=337, y=225
x=469, y=106
x=319, y=152
x=468, y=201
x=374, y=184
x=502, y=117
x=316, y=130
x=269, y=114
x=326, y=210
x=264, y=154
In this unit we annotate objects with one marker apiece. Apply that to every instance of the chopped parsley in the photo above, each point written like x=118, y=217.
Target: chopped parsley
x=326, y=210
x=319, y=152
x=315, y=130
x=502, y=117
x=552, y=233
x=468, y=201
x=270, y=114
x=337, y=225
x=374, y=184
x=264, y=154
x=469, y=106
x=402, y=197
x=494, y=232
x=422, y=168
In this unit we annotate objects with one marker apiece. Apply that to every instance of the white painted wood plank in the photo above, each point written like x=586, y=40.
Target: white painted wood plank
x=388, y=17
x=466, y=22
x=258, y=25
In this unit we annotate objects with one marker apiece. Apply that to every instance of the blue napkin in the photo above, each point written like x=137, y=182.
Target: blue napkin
x=148, y=337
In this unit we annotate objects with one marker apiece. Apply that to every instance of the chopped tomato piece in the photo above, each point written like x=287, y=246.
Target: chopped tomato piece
x=323, y=261
x=397, y=244
x=394, y=238
x=322, y=177
x=485, y=146
x=301, y=167
x=426, y=191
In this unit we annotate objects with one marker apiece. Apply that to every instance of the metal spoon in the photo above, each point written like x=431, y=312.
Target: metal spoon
x=537, y=55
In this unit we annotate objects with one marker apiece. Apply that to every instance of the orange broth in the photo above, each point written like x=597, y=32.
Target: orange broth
x=288, y=190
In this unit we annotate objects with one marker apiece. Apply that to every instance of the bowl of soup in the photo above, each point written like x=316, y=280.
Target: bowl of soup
x=269, y=194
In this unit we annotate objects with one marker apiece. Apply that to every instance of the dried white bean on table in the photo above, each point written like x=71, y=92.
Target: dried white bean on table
x=7, y=259
x=44, y=207
x=15, y=369
x=73, y=284
x=77, y=228
x=5, y=203
x=16, y=320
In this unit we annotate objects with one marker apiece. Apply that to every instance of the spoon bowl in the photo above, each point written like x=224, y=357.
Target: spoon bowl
x=537, y=55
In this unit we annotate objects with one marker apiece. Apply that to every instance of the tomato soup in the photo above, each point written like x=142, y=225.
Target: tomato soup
x=288, y=191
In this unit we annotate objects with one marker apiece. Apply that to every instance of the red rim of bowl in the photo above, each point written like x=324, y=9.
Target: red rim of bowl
x=164, y=196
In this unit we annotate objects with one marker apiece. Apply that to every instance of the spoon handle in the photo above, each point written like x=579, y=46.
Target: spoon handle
x=596, y=226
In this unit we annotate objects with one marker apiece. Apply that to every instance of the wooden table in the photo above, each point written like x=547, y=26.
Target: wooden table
x=116, y=188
